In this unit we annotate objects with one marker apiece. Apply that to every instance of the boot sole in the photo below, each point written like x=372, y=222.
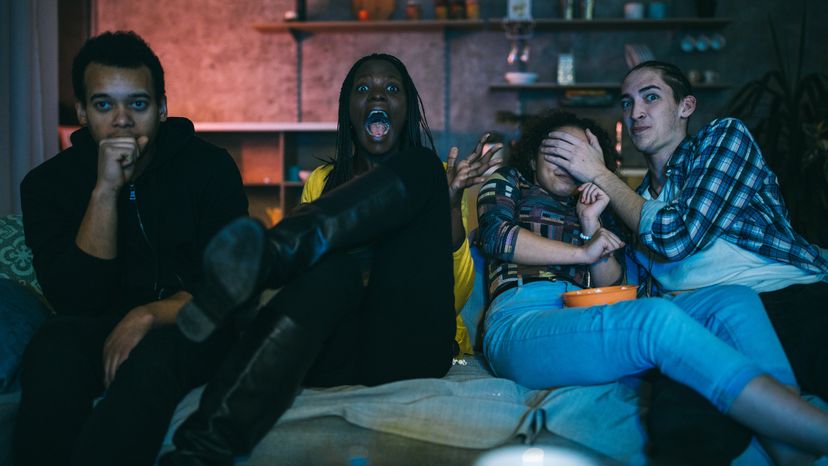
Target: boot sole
x=232, y=264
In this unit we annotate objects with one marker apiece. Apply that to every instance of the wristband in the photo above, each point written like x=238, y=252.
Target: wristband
x=584, y=237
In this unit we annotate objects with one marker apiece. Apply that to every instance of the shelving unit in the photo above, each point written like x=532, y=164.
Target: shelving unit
x=619, y=24
x=379, y=26
x=548, y=86
x=623, y=24
x=450, y=29
x=301, y=30
x=266, y=152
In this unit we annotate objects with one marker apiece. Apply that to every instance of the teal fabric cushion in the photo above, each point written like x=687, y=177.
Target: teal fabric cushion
x=21, y=314
x=15, y=256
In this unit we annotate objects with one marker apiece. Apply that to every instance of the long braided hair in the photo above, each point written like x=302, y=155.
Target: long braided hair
x=416, y=133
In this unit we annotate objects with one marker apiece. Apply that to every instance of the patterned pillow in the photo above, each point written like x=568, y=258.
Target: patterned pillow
x=15, y=256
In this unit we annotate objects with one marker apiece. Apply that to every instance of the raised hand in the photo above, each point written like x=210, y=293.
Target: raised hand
x=602, y=244
x=584, y=160
x=474, y=168
x=591, y=203
x=117, y=158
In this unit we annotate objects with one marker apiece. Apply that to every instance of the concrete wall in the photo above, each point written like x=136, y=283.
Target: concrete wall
x=221, y=69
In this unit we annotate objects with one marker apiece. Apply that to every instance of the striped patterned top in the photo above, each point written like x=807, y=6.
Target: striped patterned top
x=508, y=202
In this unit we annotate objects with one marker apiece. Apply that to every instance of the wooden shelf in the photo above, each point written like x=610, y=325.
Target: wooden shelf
x=549, y=86
x=379, y=26
x=491, y=25
x=276, y=184
x=628, y=24
x=263, y=127
x=266, y=152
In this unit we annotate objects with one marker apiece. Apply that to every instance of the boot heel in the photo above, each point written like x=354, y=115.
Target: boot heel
x=194, y=323
x=232, y=269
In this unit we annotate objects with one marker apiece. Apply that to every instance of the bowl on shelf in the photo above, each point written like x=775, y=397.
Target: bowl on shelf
x=373, y=10
x=599, y=296
x=520, y=77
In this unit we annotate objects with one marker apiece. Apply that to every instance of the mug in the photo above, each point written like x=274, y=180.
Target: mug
x=694, y=76
x=688, y=44
x=657, y=10
x=717, y=42
x=702, y=43
x=634, y=10
x=710, y=76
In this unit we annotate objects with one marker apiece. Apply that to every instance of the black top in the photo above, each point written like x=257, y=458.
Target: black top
x=188, y=192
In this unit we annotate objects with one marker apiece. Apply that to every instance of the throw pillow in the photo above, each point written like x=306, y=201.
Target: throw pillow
x=15, y=256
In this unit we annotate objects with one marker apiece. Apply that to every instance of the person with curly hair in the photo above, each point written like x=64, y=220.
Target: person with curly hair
x=545, y=235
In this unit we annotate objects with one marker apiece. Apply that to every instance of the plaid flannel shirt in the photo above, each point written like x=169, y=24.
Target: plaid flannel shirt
x=726, y=190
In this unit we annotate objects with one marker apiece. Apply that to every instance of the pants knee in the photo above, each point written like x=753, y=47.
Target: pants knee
x=420, y=169
x=657, y=313
x=735, y=301
x=152, y=361
x=320, y=297
x=660, y=321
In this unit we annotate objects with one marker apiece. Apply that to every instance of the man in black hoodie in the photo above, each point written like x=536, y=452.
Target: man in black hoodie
x=117, y=225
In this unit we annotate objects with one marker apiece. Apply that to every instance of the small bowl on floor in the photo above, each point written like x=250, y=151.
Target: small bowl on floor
x=540, y=455
x=599, y=296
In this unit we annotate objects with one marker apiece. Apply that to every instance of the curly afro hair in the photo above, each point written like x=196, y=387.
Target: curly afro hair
x=536, y=130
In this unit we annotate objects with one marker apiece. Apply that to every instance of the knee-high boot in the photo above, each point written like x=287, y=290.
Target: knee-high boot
x=256, y=384
x=244, y=257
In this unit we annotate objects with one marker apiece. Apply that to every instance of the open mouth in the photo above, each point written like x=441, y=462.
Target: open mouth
x=377, y=124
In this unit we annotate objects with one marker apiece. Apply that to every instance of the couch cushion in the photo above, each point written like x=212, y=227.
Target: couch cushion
x=468, y=408
x=474, y=308
x=21, y=313
x=15, y=256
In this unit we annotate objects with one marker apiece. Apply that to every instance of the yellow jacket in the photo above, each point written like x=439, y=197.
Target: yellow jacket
x=463, y=265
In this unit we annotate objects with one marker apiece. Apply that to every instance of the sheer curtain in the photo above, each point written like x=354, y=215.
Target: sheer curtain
x=28, y=92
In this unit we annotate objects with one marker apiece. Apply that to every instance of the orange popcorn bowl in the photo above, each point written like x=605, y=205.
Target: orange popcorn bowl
x=599, y=296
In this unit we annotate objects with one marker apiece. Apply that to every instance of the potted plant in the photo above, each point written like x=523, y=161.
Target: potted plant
x=788, y=115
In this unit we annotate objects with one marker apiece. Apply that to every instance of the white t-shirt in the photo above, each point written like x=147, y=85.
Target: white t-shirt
x=720, y=262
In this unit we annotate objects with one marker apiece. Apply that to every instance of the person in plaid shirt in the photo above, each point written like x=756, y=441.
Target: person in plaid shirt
x=709, y=212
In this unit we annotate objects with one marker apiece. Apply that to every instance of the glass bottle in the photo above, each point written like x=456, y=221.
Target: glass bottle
x=457, y=9
x=440, y=9
x=472, y=9
x=412, y=10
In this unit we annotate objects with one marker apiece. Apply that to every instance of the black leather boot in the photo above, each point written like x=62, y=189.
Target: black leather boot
x=255, y=385
x=244, y=257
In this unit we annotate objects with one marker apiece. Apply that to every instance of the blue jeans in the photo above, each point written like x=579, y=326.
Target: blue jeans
x=714, y=340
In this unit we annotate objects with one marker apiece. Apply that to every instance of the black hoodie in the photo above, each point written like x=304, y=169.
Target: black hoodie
x=165, y=218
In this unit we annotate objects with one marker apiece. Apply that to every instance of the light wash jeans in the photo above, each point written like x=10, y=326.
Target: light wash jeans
x=714, y=340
